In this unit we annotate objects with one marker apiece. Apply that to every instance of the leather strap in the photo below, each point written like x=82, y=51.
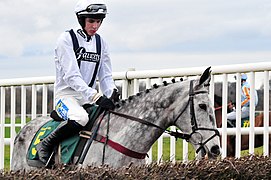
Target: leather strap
x=118, y=147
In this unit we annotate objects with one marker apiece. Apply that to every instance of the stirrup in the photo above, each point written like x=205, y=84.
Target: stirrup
x=50, y=161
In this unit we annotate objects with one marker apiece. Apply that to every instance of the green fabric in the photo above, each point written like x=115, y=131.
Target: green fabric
x=43, y=132
x=95, y=112
x=68, y=146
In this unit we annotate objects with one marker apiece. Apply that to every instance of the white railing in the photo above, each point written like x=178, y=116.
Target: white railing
x=130, y=81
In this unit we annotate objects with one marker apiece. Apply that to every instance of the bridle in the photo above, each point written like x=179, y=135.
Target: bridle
x=177, y=134
x=194, y=124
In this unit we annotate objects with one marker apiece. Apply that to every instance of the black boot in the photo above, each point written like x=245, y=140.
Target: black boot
x=64, y=130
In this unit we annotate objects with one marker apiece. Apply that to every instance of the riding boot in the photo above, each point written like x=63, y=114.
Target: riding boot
x=64, y=130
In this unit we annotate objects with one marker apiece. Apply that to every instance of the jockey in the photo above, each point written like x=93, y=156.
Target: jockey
x=245, y=98
x=76, y=72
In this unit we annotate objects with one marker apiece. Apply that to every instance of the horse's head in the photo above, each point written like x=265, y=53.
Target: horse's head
x=196, y=117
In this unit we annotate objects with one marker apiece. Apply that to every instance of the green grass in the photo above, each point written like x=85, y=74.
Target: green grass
x=257, y=151
x=7, y=158
x=17, y=129
x=166, y=150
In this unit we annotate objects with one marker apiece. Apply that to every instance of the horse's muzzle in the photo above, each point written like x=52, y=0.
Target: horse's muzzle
x=214, y=152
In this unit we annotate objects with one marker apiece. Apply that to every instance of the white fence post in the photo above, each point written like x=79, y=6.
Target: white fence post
x=266, y=114
x=224, y=114
x=34, y=101
x=23, y=106
x=44, y=99
x=12, y=118
x=238, y=116
x=2, y=128
x=252, y=113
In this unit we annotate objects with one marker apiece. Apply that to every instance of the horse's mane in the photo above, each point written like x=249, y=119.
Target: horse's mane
x=123, y=102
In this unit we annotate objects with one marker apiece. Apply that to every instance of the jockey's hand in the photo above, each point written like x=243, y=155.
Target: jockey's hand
x=115, y=97
x=105, y=103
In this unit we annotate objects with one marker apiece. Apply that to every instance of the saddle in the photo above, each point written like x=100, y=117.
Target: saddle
x=70, y=149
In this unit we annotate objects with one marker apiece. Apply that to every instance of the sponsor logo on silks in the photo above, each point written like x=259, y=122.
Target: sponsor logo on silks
x=82, y=55
x=62, y=110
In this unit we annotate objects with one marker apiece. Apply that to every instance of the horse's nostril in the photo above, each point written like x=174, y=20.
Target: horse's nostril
x=215, y=150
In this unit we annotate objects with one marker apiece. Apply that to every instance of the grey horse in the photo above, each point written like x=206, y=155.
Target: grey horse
x=184, y=104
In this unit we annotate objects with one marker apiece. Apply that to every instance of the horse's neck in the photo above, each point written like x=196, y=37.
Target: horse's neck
x=147, y=105
x=133, y=135
x=153, y=107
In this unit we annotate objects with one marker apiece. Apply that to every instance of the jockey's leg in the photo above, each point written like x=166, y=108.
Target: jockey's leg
x=231, y=118
x=231, y=115
x=64, y=130
x=78, y=118
x=245, y=112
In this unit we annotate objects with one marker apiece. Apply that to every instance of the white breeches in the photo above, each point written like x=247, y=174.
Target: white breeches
x=244, y=113
x=69, y=106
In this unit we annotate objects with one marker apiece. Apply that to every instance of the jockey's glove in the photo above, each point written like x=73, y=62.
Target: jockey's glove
x=115, y=97
x=105, y=103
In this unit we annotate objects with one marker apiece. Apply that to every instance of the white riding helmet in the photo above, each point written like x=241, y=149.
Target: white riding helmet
x=95, y=9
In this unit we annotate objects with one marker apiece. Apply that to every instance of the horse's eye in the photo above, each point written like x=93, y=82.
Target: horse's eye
x=203, y=106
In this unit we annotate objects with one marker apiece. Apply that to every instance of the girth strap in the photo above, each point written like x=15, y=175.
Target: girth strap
x=118, y=147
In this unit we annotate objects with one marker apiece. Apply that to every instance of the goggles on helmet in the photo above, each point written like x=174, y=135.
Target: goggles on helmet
x=94, y=9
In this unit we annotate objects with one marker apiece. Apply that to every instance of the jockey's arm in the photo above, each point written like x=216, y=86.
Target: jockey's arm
x=246, y=92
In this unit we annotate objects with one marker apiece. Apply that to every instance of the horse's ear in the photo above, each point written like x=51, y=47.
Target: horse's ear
x=205, y=76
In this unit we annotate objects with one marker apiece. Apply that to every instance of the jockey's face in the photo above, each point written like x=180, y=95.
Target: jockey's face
x=92, y=25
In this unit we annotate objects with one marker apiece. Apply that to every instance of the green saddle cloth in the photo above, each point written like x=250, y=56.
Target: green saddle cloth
x=67, y=147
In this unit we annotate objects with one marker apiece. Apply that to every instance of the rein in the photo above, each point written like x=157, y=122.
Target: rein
x=220, y=107
x=142, y=121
